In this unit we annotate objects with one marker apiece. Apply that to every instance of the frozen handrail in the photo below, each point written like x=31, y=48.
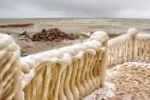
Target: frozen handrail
x=69, y=72
x=66, y=73
x=80, y=69
x=129, y=47
x=10, y=79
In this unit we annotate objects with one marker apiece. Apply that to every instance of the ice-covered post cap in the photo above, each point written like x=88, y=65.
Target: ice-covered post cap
x=6, y=40
x=132, y=31
x=99, y=36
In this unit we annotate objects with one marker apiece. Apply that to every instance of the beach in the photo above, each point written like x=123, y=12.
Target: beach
x=128, y=81
x=113, y=27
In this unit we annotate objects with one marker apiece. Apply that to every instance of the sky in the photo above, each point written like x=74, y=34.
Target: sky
x=74, y=8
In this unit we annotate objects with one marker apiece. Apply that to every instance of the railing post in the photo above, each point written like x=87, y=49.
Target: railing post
x=10, y=78
x=103, y=38
x=133, y=33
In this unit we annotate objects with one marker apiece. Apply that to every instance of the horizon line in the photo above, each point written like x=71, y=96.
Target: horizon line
x=70, y=18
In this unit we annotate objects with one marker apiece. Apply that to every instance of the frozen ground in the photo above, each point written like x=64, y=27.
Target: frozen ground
x=129, y=81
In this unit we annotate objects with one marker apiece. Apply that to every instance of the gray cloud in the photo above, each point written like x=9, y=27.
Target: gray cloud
x=75, y=8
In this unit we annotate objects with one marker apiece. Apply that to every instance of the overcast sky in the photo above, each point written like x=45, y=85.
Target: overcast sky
x=74, y=8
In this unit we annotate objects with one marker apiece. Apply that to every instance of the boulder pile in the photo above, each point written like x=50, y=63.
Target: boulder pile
x=52, y=34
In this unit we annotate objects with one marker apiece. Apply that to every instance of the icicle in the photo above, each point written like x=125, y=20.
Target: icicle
x=10, y=78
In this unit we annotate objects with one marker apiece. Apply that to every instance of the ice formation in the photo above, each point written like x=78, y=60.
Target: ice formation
x=142, y=48
x=10, y=80
x=102, y=93
x=78, y=66
x=129, y=47
x=67, y=73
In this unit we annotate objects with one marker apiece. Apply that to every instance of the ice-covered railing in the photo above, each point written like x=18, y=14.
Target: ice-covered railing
x=129, y=47
x=66, y=73
x=120, y=49
x=142, y=48
x=10, y=80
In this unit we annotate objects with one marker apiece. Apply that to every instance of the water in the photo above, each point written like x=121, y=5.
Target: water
x=113, y=25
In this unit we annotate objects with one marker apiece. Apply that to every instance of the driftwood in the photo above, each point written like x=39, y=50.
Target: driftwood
x=16, y=25
x=24, y=36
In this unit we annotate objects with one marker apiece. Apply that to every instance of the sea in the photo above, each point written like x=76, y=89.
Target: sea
x=75, y=25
